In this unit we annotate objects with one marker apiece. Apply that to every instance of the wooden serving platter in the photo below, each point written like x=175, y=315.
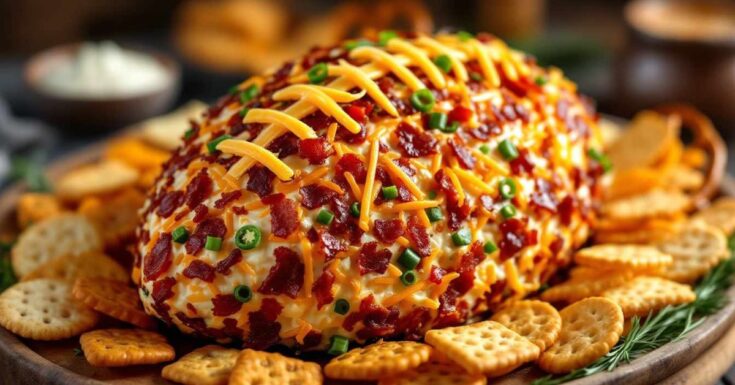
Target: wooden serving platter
x=700, y=358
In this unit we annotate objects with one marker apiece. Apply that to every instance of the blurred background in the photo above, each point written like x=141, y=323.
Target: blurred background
x=627, y=55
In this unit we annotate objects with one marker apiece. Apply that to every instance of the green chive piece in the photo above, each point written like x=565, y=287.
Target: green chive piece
x=212, y=145
x=450, y=128
x=385, y=36
x=507, y=149
x=507, y=188
x=600, y=158
x=244, y=112
x=485, y=149
x=325, y=217
x=432, y=194
x=234, y=89
x=188, y=134
x=437, y=120
x=464, y=35
x=423, y=100
x=213, y=243
x=390, y=192
x=78, y=352
x=409, y=277
x=355, y=209
x=462, y=237
x=180, y=235
x=444, y=63
x=409, y=259
x=476, y=76
x=247, y=237
x=434, y=214
x=249, y=94
x=508, y=211
x=243, y=293
x=341, y=306
x=338, y=345
x=540, y=80
x=350, y=45
x=318, y=73
x=489, y=247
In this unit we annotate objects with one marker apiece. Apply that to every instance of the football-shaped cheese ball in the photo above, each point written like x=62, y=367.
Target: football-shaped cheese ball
x=371, y=190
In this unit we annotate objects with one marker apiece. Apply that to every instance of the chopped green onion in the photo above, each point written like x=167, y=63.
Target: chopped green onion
x=507, y=188
x=385, y=36
x=249, y=94
x=437, y=120
x=318, y=73
x=450, y=128
x=213, y=243
x=409, y=259
x=341, y=306
x=476, y=76
x=234, y=89
x=444, y=63
x=432, y=194
x=350, y=45
x=244, y=112
x=489, y=247
x=434, y=214
x=247, y=237
x=540, y=80
x=78, y=352
x=508, y=211
x=188, y=134
x=409, y=277
x=338, y=345
x=212, y=145
x=325, y=217
x=423, y=100
x=355, y=209
x=464, y=35
x=390, y=192
x=243, y=293
x=507, y=149
x=600, y=158
x=180, y=235
x=485, y=149
x=462, y=237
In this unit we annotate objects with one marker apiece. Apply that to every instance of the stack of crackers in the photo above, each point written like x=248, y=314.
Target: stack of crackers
x=648, y=252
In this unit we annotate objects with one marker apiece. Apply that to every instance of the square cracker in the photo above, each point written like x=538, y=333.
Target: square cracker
x=125, y=347
x=262, y=368
x=208, y=365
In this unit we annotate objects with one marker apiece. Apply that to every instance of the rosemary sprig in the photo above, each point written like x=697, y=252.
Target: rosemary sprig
x=669, y=324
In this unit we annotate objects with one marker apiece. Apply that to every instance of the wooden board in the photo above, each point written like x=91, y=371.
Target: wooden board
x=701, y=358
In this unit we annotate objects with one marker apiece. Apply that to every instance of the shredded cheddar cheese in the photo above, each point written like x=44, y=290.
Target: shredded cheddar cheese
x=253, y=151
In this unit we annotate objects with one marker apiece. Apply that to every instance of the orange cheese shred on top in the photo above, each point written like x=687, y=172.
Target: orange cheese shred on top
x=366, y=203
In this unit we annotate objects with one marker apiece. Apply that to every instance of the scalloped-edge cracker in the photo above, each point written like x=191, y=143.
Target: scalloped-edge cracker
x=262, y=368
x=652, y=204
x=435, y=373
x=720, y=214
x=208, y=365
x=378, y=360
x=696, y=249
x=125, y=347
x=645, y=140
x=574, y=290
x=35, y=207
x=96, y=179
x=93, y=264
x=644, y=295
x=115, y=217
x=622, y=256
x=537, y=321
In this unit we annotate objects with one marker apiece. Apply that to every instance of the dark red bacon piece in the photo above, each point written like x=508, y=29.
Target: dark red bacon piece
x=285, y=145
x=522, y=164
x=159, y=258
x=460, y=114
x=352, y=164
x=387, y=231
x=418, y=235
x=330, y=245
x=226, y=198
x=372, y=260
x=486, y=131
x=412, y=325
x=284, y=217
x=200, y=212
x=225, y=304
x=514, y=236
x=260, y=180
x=414, y=143
x=322, y=289
x=198, y=189
x=223, y=266
x=315, y=150
x=169, y=203
x=214, y=227
x=436, y=274
x=286, y=276
x=463, y=155
x=543, y=198
x=199, y=269
x=163, y=289
x=263, y=326
x=314, y=196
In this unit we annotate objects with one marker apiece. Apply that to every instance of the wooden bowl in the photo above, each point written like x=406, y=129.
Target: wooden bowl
x=95, y=115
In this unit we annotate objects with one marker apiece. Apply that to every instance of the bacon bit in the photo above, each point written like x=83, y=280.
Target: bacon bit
x=169, y=203
x=514, y=237
x=465, y=158
x=286, y=276
x=225, y=304
x=377, y=320
x=543, y=198
x=556, y=245
x=451, y=311
x=344, y=223
x=387, y=231
x=318, y=120
x=163, y=289
x=522, y=164
x=284, y=216
x=358, y=113
x=457, y=213
x=158, y=259
x=411, y=326
x=419, y=236
x=313, y=339
x=211, y=226
x=372, y=260
x=351, y=163
x=260, y=180
x=239, y=210
x=223, y=266
x=413, y=142
x=436, y=274
x=236, y=125
x=474, y=255
x=315, y=150
x=264, y=329
x=180, y=160
x=330, y=245
x=199, y=269
x=199, y=189
x=196, y=323
x=460, y=114
x=486, y=131
x=285, y=145
x=567, y=207
x=219, y=105
x=200, y=212
x=322, y=289
x=279, y=78
x=314, y=195
x=226, y=198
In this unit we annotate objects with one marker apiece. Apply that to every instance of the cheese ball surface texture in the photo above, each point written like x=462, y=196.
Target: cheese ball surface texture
x=370, y=191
